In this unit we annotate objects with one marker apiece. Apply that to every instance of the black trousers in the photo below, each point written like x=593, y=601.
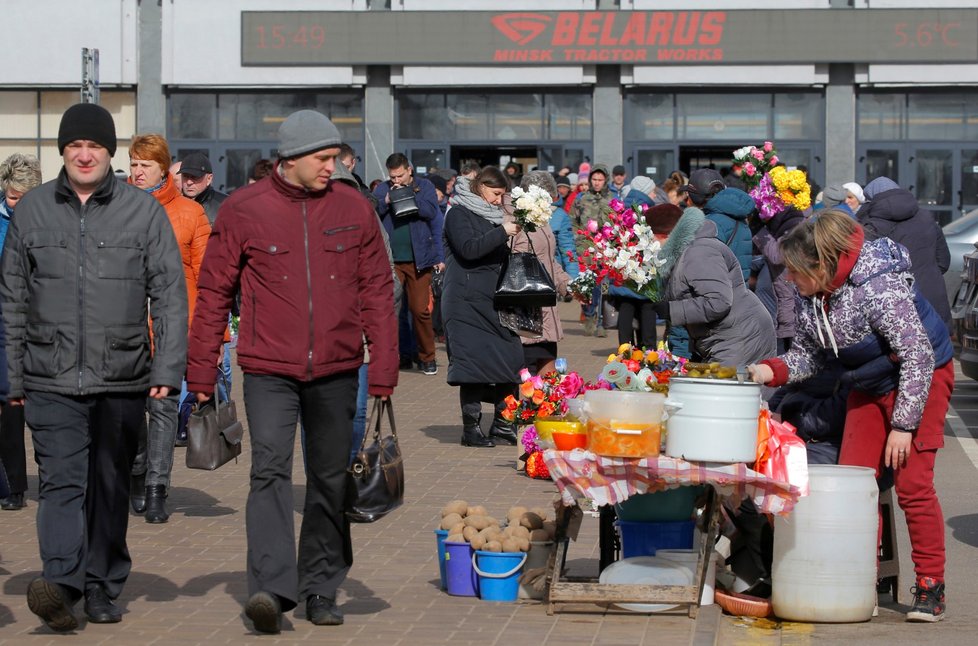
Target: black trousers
x=84, y=447
x=630, y=309
x=273, y=405
x=471, y=396
x=12, y=451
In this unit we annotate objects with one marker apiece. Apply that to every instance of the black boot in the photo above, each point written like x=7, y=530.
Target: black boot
x=137, y=493
x=472, y=432
x=502, y=430
x=156, y=504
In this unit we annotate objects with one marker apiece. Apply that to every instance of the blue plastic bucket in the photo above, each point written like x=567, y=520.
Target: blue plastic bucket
x=499, y=574
x=440, y=536
x=643, y=539
x=461, y=580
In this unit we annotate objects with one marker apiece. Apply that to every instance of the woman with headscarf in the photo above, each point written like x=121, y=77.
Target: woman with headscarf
x=484, y=358
x=541, y=354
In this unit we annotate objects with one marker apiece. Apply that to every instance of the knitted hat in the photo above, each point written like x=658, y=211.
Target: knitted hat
x=562, y=180
x=440, y=183
x=856, y=190
x=304, y=132
x=833, y=195
x=663, y=218
x=879, y=185
x=87, y=121
x=643, y=184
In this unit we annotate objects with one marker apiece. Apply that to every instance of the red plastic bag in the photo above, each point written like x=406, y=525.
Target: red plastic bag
x=787, y=457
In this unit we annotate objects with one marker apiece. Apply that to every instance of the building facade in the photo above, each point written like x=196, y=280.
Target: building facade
x=853, y=89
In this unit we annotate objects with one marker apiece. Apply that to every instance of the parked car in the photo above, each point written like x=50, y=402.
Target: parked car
x=963, y=234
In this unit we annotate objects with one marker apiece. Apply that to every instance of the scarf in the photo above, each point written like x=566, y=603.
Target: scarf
x=474, y=203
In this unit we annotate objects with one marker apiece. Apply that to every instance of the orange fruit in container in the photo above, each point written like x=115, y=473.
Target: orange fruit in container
x=569, y=441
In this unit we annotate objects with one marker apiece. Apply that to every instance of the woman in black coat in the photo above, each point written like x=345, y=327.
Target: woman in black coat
x=484, y=358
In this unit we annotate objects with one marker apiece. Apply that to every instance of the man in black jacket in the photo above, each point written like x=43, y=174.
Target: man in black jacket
x=81, y=261
x=196, y=177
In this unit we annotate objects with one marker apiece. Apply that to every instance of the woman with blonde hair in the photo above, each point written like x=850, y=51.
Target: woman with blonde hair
x=861, y=305
x=18, y=174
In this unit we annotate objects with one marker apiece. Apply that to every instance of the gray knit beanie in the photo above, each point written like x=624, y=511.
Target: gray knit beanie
x=304, y=132
x=643, y=184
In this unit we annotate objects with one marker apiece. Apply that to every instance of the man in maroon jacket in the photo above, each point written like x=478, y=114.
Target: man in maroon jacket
x=308, y=257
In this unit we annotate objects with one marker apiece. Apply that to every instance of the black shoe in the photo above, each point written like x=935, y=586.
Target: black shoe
x=156, y=504
x=407, y=362
x=503, y=431
x=265, y=612
x=928, y=601
x=137, y=493
x=99, y=608
x=472, y=432
x=323, y=612
x=429, y=367
x=50, y=602
x=13, y=501
x=181, y=439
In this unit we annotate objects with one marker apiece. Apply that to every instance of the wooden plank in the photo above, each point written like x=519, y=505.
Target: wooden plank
x=621, y=593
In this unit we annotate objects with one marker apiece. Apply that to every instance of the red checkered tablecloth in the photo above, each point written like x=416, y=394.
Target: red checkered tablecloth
x=607, y=481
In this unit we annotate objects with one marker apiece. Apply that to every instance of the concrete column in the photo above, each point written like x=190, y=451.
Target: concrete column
x=378, y=114
x=607, y=116
x=840, y=125
x=150, y=100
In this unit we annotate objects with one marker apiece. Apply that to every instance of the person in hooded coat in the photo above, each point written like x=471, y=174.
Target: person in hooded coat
x=766, y=240
x=484, y=358
x=707, y=295
x=893, y=212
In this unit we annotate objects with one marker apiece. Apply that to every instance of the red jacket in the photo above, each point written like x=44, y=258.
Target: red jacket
x=314, y=279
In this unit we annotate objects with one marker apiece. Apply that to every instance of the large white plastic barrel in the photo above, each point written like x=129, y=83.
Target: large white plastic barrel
x=825, y=551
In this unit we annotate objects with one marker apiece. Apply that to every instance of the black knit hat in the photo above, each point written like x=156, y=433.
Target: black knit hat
x=87, y=121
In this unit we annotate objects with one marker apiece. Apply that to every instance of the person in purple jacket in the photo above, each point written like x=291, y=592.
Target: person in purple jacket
x=861, y=306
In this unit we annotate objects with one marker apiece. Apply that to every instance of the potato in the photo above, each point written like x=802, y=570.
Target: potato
x=455, y=507
x=479, y=522
x=539, y=536
x=492, y=521
x=521, y=532
x=457, y=529
x=524, y=544
x=515, y=513
x=542, y=512
x=493, y=546
x=455, y=538
x=493, y=534
x=476, y=510
x=550, y=527
x=477, y=542
x=531, y=521
x=451, y=520
x=511, y=545
x=469, y=533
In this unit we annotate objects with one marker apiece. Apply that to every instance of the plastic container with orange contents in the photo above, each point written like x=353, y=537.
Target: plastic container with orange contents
x=619, y=439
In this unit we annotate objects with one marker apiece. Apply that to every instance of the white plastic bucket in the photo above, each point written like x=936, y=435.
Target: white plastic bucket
x=825, y=550
x=716, y=420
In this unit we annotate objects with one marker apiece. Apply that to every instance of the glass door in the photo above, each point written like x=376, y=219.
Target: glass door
x=878, y=162
x=654, y=163
x=234, y=165
x=968, y=176
x=932, y=174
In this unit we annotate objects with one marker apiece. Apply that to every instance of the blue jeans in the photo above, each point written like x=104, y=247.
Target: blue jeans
x=594, y=307
x=224, y=385
x=360, y=417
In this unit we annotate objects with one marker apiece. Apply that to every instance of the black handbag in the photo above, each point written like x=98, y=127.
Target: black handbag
x=524, y=282
x=214, y=434
x=403, y=202
x=375, y=478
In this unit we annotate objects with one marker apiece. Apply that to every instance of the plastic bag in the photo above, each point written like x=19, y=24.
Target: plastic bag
x=782, y=455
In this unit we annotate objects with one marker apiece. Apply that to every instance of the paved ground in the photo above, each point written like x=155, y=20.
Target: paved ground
x=188, y=582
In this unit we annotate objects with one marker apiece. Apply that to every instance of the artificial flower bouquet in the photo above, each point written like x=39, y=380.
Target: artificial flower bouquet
x=624, y=251
x=543, y=396
x=582, y=287
x=532, y=208
x=634, y=369
x=755, y=162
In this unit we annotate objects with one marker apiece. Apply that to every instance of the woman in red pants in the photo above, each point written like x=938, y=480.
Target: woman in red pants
x=861, y=306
